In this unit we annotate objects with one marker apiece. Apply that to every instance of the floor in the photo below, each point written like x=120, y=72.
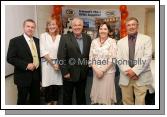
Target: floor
x=11, y=92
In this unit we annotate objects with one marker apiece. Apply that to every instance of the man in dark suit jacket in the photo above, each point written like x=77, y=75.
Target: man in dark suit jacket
x=73, y=56
x=24, y=56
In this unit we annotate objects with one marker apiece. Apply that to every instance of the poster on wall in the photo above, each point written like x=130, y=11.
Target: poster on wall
x=92, y=18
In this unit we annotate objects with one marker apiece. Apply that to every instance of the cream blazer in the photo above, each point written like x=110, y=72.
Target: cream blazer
x=143, y=56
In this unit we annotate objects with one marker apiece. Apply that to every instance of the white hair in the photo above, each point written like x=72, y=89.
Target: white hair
x=77, y=19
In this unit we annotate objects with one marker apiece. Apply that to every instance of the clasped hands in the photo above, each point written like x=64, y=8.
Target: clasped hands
x=131, y=74
x=99, y=73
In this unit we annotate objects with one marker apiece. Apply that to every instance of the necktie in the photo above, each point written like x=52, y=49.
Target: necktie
x=132, y=42
x=34, y=53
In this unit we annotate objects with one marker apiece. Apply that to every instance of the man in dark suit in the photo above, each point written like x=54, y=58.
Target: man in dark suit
x=73, y=56
x=23, y=54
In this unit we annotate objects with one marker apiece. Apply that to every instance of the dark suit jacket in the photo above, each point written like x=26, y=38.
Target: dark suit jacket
x=69, y=52
x=19, y=55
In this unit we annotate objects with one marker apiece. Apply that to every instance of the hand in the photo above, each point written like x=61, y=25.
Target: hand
x=99, y=74
x=130, y=73
x=67, y=76
x=135, y=77
x=56, y=67
x=31, y=67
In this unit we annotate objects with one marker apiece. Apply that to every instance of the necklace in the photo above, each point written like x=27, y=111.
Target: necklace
x=102, y=42
x=53, y=38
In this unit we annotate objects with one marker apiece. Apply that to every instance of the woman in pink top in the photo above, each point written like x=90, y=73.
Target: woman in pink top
x=102, y=54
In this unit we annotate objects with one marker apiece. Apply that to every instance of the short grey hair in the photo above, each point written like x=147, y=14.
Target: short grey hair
x=29, y=20
x=77, y=19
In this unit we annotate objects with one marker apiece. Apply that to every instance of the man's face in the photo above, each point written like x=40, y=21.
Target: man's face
x=77, y=27
x=29, y=28
x=132, y=27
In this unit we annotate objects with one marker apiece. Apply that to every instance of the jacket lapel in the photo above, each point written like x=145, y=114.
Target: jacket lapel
x=26, y=45
x=84, y=44
x=138, y=41
x=126, y=47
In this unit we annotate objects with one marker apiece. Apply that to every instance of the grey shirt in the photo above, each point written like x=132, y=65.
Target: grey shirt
x=80, y=44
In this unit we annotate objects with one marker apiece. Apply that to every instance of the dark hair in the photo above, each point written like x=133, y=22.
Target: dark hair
x=132, y=18
x=28, y=20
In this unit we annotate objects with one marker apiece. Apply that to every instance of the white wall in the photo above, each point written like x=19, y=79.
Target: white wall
x=43, y=13
x=14, y=17
x=150, y=26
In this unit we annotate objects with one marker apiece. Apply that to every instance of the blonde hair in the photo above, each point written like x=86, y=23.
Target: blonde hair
x=48, y=22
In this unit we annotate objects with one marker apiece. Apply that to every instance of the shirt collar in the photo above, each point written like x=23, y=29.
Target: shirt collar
x=133, y=36
x=27, y=37
x=78, y=37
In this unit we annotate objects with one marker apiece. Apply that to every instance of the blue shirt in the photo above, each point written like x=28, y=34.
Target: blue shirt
x=80, y=43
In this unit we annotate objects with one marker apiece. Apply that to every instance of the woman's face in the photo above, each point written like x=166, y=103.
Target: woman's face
x=103, y=31
x=52, y=26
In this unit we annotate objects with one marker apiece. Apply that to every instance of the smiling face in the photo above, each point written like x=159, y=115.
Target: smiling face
x=103, y=31
x=52, y=26
x=77, y=26
x=29, y=28
x=132, y=27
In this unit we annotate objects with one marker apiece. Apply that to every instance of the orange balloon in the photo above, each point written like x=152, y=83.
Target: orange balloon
x=57, y=17
x=123, y=8
x=123, y=26
x=123, y=34
x=57, y=9
x=123, y=30
x=124, y=15
x=123, y=21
